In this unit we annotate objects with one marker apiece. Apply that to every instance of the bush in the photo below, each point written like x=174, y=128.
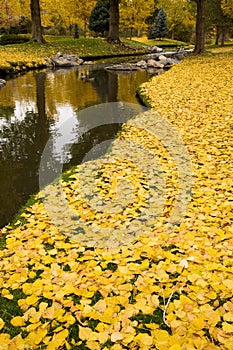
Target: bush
x=13, y=39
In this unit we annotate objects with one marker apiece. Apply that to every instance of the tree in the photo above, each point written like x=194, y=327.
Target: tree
x=114, y=18
x=227, y=7
x=180, y=18
x=36, y=22
x=99, y=18
x=13, y=13
x=134, y=16
x=216, y=16
x=200, y=27
x=159, y=27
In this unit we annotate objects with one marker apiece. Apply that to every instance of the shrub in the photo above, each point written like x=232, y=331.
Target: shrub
x=13, y=39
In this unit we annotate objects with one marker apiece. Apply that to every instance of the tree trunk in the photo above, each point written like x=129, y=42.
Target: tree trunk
x=36, y=22
x=218, y=32
x=113, y=35
x=200, y=27
x=225, y=31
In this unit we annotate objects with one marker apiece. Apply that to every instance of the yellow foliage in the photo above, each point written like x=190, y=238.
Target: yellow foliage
x=71, y=295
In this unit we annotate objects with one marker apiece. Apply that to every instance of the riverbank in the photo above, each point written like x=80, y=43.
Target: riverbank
x=18, y=58
x=164, y=289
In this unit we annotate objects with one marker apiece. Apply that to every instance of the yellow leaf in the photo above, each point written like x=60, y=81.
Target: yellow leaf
x=4, y=341
x=84, y=333
x=228, y=316
x=175, y=347
x=17, y=321
x=103, y=337
x=227, y=327
x=7, y=294
x=116, y=347
x=58, y=340
x=1, y=323
x=144, y=339
x=116, y=336
x=31, y=300
x=197, y=324
x=228, y=283
x=184, y=263
x=100, y=306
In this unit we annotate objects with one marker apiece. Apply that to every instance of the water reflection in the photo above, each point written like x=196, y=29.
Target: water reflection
x=33, y=107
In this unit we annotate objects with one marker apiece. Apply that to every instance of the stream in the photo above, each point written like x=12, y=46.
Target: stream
x=33, y=106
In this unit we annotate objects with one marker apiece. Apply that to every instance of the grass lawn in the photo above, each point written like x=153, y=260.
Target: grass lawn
x=15, y=58
x=164, y=289
x=20, y=57
x=155, y=42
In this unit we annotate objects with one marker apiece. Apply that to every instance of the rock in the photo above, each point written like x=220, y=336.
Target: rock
x=66, y=60
x=155, y=49
x=88, y=62
x=122, y=67
x=2, y=83
x=179, y=56
x=153, y=71
x=154, y=64
x=171, y=61
x=162, y=58
x=141, y=64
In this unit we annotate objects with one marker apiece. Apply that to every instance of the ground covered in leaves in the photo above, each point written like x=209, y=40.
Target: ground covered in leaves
x=160, y=288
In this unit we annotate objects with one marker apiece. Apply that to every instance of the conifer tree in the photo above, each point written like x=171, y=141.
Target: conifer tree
x=159, y=28
x=99, y=17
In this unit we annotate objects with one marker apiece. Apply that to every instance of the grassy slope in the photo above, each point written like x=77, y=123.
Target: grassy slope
x=18, y=57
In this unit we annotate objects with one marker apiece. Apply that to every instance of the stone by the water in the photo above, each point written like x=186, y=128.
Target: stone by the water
x=123, y=67
x=66, y=60
x=2, y=83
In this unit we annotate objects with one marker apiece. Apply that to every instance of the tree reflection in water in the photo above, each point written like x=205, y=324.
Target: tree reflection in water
x=31, y=108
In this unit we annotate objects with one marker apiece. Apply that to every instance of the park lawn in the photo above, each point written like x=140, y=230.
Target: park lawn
x=16, y=58
x=159, y=42
x=166, y=290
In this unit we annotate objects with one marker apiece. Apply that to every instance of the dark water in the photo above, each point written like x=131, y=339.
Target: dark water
x=32, y=109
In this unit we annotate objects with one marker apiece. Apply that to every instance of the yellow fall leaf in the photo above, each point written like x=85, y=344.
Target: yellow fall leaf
x=116, y=336
x=227, y=327
x=84, y=333
x=17, y=321
x=2, y=323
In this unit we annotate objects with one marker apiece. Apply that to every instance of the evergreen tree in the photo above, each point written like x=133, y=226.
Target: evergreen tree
x=159, y=28
x=99, y=17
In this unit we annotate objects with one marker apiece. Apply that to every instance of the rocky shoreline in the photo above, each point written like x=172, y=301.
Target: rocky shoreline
x=158, y=60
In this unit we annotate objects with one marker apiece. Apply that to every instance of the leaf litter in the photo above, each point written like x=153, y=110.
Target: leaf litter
x=62, y=287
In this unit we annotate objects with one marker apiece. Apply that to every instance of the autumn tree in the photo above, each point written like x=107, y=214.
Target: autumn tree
x=227, y=7
x=180, y=18
x=216, y=17
x=63, y=15
x=13, y=13
x=36, y=22
x=133, y=15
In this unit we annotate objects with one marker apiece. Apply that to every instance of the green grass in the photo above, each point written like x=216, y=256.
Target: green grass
x=15, y=58
x=155, y=42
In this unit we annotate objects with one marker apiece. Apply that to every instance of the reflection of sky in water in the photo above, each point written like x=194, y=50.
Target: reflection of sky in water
x=65, y=131
x=21, y=107
x=20, y=110
x=65, y=120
